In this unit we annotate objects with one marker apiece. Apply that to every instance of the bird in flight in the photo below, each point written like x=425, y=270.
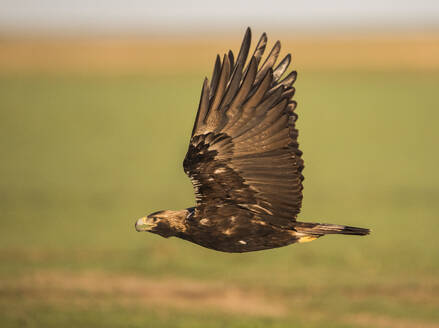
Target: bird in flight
x=244, y=161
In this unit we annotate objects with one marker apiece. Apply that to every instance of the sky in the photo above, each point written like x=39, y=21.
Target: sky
x=203, y=15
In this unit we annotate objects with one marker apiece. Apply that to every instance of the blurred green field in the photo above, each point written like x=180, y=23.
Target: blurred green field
x=83, y=156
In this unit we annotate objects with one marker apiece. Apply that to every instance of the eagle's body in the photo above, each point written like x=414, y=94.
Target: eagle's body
x=238, y=232
x=244, y=161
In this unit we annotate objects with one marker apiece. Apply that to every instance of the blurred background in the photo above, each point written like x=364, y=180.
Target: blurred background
x=97, y=101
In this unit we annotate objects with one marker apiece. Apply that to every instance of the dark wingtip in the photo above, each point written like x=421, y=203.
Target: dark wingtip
x=247, y=35
x=231, y=58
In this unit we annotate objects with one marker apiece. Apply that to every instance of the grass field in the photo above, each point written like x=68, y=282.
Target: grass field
x=85, y=155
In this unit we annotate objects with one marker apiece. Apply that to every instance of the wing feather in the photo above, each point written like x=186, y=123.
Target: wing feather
x=246, y=85
x=282, y=67
x=245, y=47
x=202, y=107
x=260, y=91
x=231, y=58
x=243, y=155
x=233, y=86
x=222, y=83
x=289, y=79
x=215, y=76
x=270, y=61
x=260, y=47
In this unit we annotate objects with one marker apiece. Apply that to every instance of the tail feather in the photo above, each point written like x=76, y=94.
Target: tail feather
x=321, y=229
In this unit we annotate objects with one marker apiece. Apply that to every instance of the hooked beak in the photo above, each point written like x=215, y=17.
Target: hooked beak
x=143, y=224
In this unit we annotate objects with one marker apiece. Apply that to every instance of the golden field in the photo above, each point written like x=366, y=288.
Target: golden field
x=154, y=54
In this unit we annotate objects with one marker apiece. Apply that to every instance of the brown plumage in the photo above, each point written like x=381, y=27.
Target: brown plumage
x=244, y=161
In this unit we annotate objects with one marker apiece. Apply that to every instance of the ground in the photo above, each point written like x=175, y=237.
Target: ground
x=84, y=154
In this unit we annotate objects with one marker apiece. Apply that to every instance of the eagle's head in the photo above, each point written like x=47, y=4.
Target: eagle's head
x=164, y=223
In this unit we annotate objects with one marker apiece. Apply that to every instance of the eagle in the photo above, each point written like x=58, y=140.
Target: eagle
x=244, y=161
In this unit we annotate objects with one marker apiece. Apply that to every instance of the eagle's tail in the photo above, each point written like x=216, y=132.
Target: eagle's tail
x=314, y=230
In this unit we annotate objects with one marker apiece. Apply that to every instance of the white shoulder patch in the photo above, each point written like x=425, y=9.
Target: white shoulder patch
x=204, y=221
x=220, y=170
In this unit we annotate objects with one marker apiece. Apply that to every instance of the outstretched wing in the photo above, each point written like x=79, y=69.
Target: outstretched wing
x=243, y=154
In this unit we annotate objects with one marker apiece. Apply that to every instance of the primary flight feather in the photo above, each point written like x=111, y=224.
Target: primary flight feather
x=244, y=161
